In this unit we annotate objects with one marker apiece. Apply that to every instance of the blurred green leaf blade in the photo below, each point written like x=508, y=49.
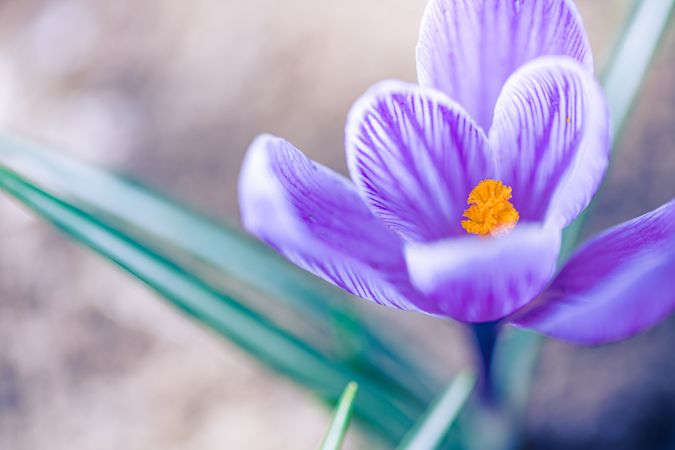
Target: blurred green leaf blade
x=241, y=266
x=341, y=418
x=429, y=432
x=382, y=408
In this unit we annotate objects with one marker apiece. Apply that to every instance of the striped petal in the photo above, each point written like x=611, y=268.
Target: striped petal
x=468, y=48
x=617, y=285
x=551, y=137
x=415, y=155
x=476, y=279
x=315, y=218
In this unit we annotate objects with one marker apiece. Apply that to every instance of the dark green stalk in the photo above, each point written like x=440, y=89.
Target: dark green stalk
x=485, y=337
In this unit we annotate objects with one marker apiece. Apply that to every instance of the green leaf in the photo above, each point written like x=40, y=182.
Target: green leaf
x=431, y=429
x=341, y=418
x=390, y=411
x=633, y=56
x=225, y=258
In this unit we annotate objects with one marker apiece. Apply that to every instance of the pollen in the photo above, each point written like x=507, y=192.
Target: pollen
x=490, y=212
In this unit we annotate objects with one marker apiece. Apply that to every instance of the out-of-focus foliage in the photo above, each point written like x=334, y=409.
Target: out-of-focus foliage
x=430, y=431
x=341, y=417
x=167, y=248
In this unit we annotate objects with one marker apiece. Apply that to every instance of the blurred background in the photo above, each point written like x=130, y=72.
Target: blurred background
x=171, y=93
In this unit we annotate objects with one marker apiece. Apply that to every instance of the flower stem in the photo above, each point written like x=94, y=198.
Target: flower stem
x=485, y=335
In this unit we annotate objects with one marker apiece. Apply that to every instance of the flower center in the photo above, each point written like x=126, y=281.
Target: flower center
x=490, y=211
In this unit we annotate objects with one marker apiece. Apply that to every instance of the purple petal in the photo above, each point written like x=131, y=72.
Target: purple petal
x=616, y=285
x=551, y=138
x=415, y=156
x=476, y=279
x=315, y=218
x=468, y=49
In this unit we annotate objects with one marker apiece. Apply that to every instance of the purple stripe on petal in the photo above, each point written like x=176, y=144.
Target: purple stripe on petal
x=415, y=156
x=468, y=49
x=315, y=218
x=476, y=279
x=617, y=285
x=551, y=137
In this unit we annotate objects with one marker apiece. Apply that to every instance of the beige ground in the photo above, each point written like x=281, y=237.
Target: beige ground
x=172, y=93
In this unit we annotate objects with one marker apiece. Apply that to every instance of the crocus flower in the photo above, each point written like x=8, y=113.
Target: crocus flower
x=462, y=184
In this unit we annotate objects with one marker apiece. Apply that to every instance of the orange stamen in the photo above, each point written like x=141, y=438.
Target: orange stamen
x=490, y=212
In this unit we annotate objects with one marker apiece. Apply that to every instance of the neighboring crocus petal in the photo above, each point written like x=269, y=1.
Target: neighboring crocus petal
x=415, y=156
x=315, y=218
x=475, y=279
x=468, y=49
x=551, y=137
x=617, y=285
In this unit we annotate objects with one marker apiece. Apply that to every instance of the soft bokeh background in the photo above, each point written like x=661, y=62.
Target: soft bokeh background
x=172, y=93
